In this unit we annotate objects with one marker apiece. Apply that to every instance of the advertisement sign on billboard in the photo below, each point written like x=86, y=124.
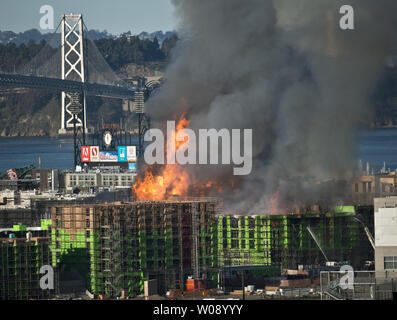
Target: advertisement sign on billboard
x=132, y=166
x=94, y=154
x=131, y=153
x=85, y=154
x=108, y=156
x=122, y=154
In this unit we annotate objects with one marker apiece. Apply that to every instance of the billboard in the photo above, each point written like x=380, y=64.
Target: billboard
x=85, y=154
x=108, y=156
x=132, y=166
x=131, y=153
x=122, y=154
x=94, y=154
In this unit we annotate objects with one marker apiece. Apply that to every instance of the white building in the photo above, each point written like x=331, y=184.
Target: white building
x=386, y=235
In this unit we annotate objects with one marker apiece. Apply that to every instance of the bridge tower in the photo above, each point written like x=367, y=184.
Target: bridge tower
x=73, y=68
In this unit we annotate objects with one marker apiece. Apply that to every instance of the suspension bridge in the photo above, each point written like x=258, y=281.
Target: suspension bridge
x=72, y=66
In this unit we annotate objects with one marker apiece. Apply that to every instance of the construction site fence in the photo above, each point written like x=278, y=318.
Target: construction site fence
x=363, y=285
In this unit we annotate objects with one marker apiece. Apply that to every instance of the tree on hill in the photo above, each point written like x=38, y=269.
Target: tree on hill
x=168, y=45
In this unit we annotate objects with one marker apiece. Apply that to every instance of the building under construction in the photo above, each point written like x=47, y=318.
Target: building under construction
x=112, y=248
x=115, y=247
x=310, y=238
x=21, y=258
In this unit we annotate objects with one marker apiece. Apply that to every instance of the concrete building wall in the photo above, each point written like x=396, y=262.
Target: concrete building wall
x=386, y=227
x=380, y=254
x=386, y=235
x=389, y=202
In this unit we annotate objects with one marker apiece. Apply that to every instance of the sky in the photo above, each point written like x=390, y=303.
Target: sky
x=115, y=16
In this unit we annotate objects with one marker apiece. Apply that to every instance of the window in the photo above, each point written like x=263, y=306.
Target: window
x=369, y=186
x=364, y=187
x=224, y=222
x=356, y=187
x=390, y=262
x=234, y=244
x=234, y=222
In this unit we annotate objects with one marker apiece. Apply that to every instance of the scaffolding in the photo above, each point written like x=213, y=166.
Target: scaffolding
x=284, y=240
x=176, y=240
x=112, y=248
x=119, y=272
x=21, y=259
x=117, y=246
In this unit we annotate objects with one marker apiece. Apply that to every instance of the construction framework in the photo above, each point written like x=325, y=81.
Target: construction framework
x=285, y=240
x=21, y=259
x=112, y=248
x=117, y=246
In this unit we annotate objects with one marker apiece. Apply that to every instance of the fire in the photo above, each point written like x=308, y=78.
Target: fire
x=172, y=179
x=161, y=183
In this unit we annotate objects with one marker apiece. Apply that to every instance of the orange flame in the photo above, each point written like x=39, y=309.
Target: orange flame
x=172, y=180
x=161, y=183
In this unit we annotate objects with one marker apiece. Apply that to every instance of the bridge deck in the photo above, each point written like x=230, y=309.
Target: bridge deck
x=91, y=89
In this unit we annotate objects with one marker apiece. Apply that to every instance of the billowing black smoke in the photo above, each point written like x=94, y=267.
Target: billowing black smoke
x=285, y=69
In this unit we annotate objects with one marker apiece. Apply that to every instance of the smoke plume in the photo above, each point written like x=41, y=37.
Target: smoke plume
x=285, y=69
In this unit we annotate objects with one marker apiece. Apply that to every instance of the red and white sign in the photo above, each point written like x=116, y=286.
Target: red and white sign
x=85, y=154
x=94, y=154
x=131, y=154
x=12, y=174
